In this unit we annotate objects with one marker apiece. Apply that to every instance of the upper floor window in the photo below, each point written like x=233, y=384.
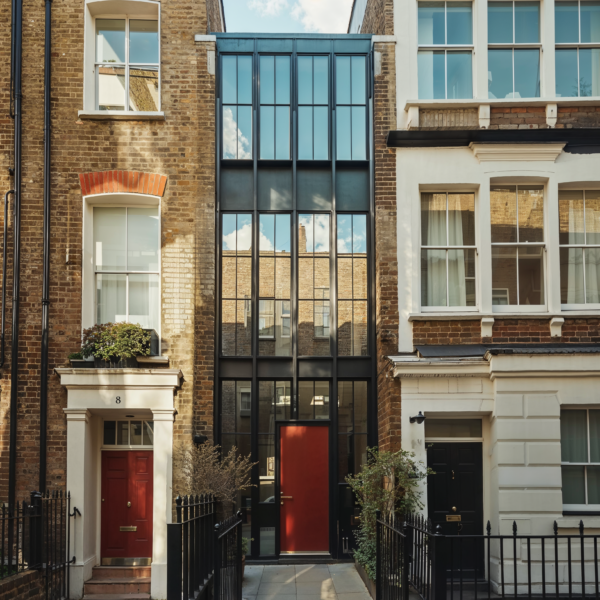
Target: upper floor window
x=514, y=49
x=580, y=457
x=351, y=109
x=313, y=108
x=517, y=221
x=445, y=35
x=126, y=264
x=448, y=249
x=577, y=33
x=237, y=106
x=127, y=65
x=275, y=107
x=579, y=238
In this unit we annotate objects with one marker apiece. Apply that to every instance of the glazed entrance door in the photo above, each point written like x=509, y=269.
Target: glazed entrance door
x=304, y=488
x=127, y=482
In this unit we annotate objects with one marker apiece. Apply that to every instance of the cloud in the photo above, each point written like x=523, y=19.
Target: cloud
x=268, y=7
x=322, y=16
x=244, y=238
x=234, y=137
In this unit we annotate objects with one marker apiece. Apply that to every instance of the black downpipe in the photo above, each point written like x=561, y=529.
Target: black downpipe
x=4, y=252
x=46, y=275
x=16, y=70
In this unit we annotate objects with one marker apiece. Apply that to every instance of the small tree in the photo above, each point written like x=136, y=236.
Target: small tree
x=387, y=483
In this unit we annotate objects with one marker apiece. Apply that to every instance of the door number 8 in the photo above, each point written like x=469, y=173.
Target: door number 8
x=118, y=400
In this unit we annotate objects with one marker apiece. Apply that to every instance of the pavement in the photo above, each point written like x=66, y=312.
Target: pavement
x=303, y=582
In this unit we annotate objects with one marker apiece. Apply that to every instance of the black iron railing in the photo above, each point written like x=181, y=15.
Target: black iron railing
x=445, y=567
x=228, y=559
x=190, y=547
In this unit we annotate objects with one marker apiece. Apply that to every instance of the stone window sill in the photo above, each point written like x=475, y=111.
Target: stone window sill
x=118, y=115
x=466, y=316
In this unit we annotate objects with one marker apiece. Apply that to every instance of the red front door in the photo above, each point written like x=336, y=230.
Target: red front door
x=127, y=478
x=304, y=488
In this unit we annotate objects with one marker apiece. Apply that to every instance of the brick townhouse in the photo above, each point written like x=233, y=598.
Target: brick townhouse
x=488, y=289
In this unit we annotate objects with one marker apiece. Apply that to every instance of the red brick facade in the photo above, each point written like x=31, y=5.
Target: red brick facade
x=132, y=182
x=25, y=586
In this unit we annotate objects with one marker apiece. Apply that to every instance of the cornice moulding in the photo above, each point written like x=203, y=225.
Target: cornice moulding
x=549, y=151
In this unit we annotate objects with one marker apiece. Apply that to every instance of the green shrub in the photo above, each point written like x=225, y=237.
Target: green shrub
x=244, y=546
x=75, y=356
x=113, y=342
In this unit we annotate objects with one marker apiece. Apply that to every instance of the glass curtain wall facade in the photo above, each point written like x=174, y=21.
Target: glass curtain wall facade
x=295, y=273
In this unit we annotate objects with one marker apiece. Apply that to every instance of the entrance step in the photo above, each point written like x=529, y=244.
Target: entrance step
x=116, y=597
x=120, y=572
x=118, y=583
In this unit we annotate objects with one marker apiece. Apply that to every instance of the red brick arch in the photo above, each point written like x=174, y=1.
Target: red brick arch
x=111, y=182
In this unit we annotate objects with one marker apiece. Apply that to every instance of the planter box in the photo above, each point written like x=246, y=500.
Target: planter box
x=81, y=363
x=369, y=583
x=126, y=363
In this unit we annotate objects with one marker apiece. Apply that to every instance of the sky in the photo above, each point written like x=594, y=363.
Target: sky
x=287, y=16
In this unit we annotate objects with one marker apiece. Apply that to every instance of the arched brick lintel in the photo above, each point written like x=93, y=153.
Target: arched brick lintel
x=112, y=182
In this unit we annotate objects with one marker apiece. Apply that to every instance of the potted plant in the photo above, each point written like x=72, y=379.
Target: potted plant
x=115, y=345
x=77, y=361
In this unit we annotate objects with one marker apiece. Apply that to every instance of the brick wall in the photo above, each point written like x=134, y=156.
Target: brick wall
x=459, y=118
x=525, y=117
x=578, y=116
x=379, y=17
x=181, y=148
x=25, y=586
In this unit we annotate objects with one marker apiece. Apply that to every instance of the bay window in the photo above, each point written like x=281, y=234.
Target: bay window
x=513, y=50
x=448, y=250
x=579, y=239
x=445, y=57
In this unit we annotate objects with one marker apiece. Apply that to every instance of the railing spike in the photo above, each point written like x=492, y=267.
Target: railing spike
x=489, y=528
x=514, y=528
x=555, y=528
x=581, y=527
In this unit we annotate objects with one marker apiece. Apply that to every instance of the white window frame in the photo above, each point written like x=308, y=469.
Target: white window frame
x=452, y=48
x=143, y=10
x=322, y=314
x=582, y=507
x=576, y=46
x=447, y=247
x=585, y=305
x=517, y=46
x=116, y=446
x=523, y=308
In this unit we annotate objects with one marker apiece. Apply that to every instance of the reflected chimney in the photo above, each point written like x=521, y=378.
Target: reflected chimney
x=302, y=240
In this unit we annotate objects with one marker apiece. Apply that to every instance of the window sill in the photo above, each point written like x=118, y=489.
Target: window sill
x=571, y=518
x=118, y=115
x=469, y=316
x=476, y=102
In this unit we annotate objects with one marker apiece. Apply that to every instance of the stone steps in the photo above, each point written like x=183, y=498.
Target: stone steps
x=118, y=583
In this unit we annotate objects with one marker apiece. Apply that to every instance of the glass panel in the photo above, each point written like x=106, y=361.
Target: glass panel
x=305, y=397
x=431, y=23
x=321, y=80
x=283, y=278
x=148, y=433
x=359, y=278
x=228, y=308
x=143, y=89
x=143, y=41
x=592, y=216
x=359, y=133
x=531, y=214
x=266, y=318
x=592, y=275
x=359, y=329
x=305, y=80
x=267, y=132
x=229, y=232
x=453, y=428
x=321, y=133
x=123, y=433
x=267, y=233
x=527, y=22
x=573, y=485
x=594, y=417
x=360, y=406
x=461, y=219
x=228, y=270
x=359, y=234
x=237, y=132
x=433, y=278
x=504, y=276
x=136, y=433
x=244, y=328
x=571, y=276
x=228, y=417
x=305, y=132
x=243, y=406
x=229, y=75
x=345, y=328
x=573, y=436
x=244, y=276
x=110, y=431
x=433, y=219
x=321, y=400
x=230, y=132
x=282, y=132
x=306, y=277
x=460, y=75
x=283, y=400
x=313, y=328
x=266, y=470
x=111, y=298
x=570, y=215
x=345, y=456
x=244, y=80
x=342, y=80
x=142, y=239
x=267, y=540
x=282, y=79
x=503, y=208
x=566, y=73
x=500, y=23
x=110, y=40
x=144, y=301
x=460, y=23
x=267, y=80
x=110, y=238
x=432, y=74
x=282, y=232
x=589, y=71
x=461, y=278
x=566, y=23
x=527, y=74
x=343, y=133
x=590, y=22
x=500, y=73
x=359, y=83
x=360, y=452
x=345, y=406
x=266, y=398
x=531, y=275
x=593, y=485
x=111, y=88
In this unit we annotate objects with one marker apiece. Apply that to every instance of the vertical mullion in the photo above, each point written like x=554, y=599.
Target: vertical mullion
x=583, y=250
x=127, y=264
x=578, y=89
x=126, y=63
x=517, y=220
x=447, y=251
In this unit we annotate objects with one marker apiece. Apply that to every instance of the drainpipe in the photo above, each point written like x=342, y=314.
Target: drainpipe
x=16, y=71
x=4, y=249
x=46, y=275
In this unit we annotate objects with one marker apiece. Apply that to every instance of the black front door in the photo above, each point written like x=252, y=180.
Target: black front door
x=455, y=501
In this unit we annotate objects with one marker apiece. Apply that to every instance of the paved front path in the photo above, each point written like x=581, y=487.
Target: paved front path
x=304, y=582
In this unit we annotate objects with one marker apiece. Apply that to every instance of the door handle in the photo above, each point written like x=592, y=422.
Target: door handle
x=129, y=505
x=287, y=497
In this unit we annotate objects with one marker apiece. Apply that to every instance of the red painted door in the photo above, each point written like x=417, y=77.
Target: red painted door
x=304, y=488
x=127, y=479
